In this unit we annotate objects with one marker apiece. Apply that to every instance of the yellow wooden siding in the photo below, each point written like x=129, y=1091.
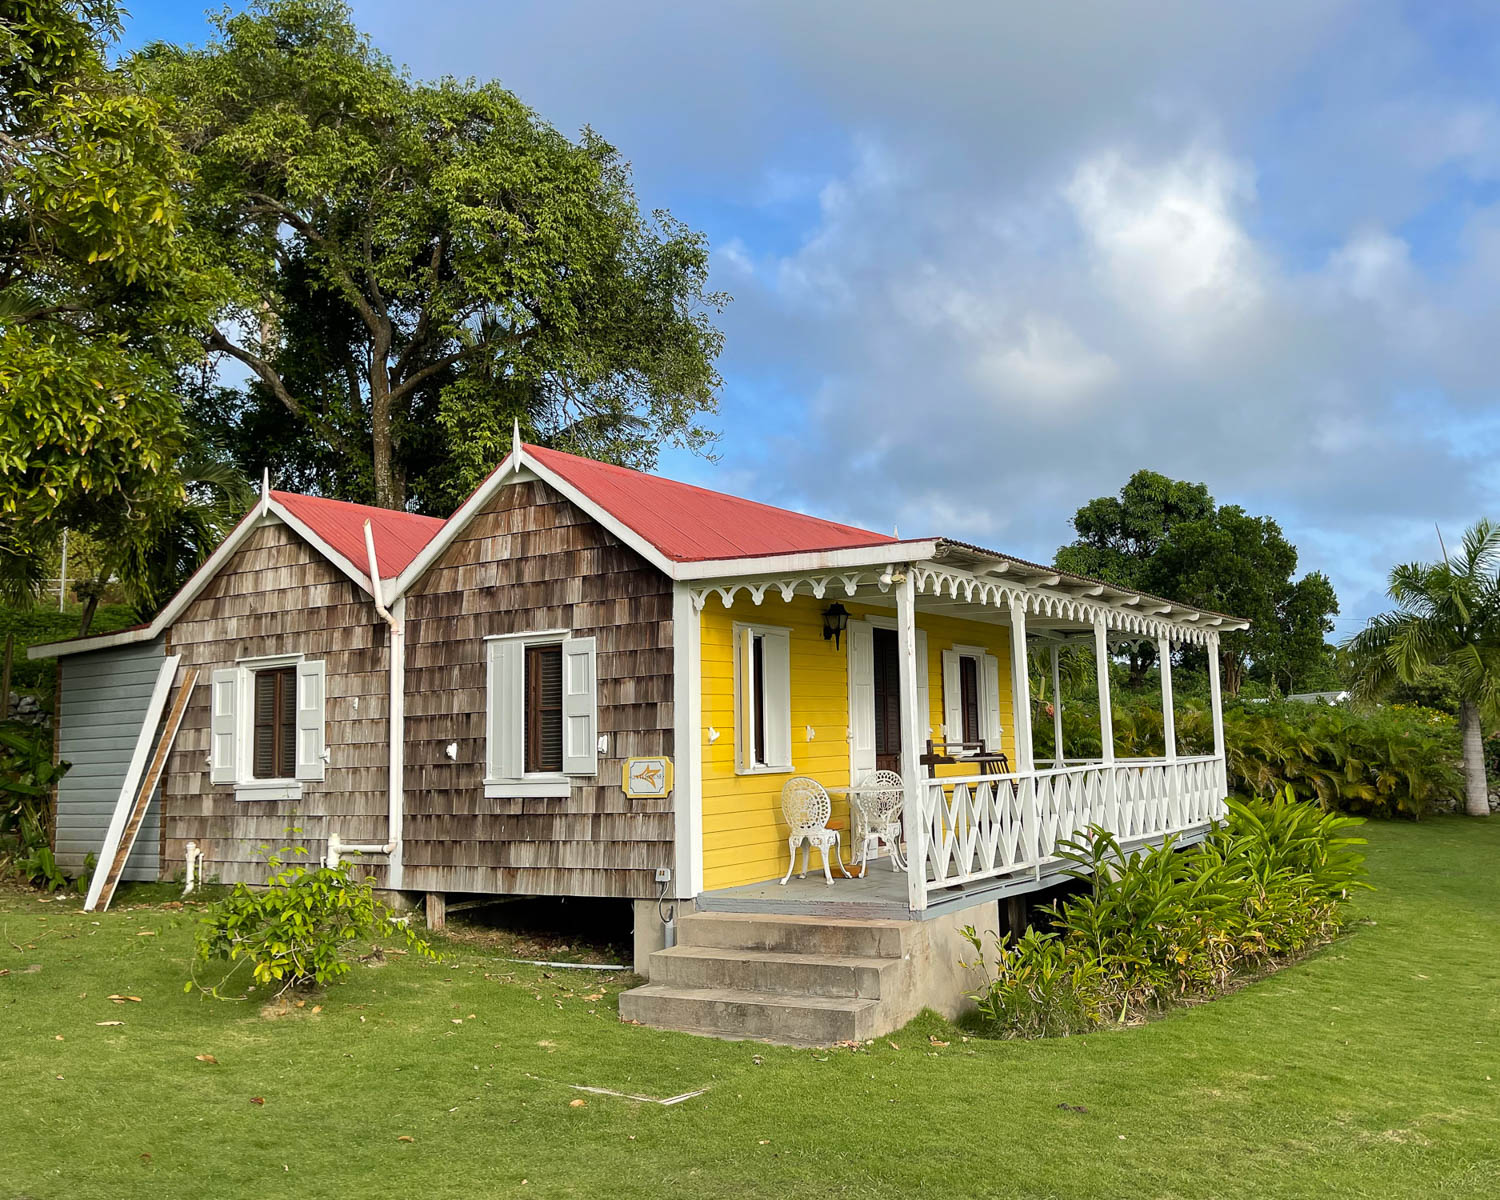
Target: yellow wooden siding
x=744, y=837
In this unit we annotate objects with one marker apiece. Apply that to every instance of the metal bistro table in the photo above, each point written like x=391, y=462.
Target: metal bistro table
x=859, y=796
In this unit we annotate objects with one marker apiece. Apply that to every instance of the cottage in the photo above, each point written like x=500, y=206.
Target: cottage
x=590, y=681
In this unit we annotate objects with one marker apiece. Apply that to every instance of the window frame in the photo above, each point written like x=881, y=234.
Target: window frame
x=994, y=740
x=246, y=785
x=529, y=784
x=763, y=728
x=282, y=732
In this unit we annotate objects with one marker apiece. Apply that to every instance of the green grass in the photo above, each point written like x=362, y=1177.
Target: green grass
x=1370, y=1069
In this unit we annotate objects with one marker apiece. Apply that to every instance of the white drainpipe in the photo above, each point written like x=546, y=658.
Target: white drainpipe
x=194, y=866
x=397, y=761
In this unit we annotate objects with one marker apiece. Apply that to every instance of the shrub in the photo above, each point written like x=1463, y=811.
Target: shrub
x=1160, y=926
x=299, y=929
x=27, y=776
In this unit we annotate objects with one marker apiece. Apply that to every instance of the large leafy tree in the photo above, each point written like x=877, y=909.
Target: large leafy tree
x=1233, y=562
x=422, y=263
x=1169, y=537
x=1447, y=615
x=1119, y=537
x=99, y=294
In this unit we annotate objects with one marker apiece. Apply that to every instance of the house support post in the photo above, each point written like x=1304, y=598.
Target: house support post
x=1216, y=705
x=1057, y=732
x=1020, y=705
x=437, y=910
x=687, y=745
x=1106, y=714
x=913, y=725
x=1168, y=710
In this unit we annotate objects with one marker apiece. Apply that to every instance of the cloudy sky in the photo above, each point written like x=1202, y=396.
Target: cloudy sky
x=989, y=258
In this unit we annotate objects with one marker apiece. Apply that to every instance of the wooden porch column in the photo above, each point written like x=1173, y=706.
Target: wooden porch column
x=1101, y=670
x=1216, y=705
x=1168, y=711
x=913, y=736
x=1057, y=745
x=1020, y=688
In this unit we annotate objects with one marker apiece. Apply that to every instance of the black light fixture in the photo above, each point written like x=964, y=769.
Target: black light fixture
x=835, y=621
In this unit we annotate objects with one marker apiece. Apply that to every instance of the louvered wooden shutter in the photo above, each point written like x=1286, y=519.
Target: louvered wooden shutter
x=953, y=712
x=992, y=728
x=309, y=719
x=861, y=651
x=223, y=705
x=580, y=700
x=505, y=711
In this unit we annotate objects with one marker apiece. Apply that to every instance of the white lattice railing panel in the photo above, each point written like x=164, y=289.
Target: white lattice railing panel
x=986, y=826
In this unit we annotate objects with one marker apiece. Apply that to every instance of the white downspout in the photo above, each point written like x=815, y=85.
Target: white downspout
x=397, y=738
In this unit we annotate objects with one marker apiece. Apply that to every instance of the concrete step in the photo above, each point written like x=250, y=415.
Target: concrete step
x=772, y=971
x=742, y=1013
x=795, y=935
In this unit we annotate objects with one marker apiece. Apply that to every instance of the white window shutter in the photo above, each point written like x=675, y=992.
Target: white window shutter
x=953, y=717
x=224, y=694
x=776, y=656
x=990, y=673
x=924, y=690
x=505, y=711
x=861, y=647
x=580, y=702
x=310, y=694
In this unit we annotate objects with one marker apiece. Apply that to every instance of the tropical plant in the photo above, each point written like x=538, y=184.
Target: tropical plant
x=27, y=777
x=299, y=929
x=1447, y=615
x=1161, y=926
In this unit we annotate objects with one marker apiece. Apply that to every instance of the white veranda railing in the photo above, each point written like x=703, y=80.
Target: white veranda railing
x=984, y=826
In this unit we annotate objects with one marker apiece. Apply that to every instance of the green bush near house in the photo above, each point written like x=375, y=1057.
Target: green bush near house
x=1374, y=760
x=33, y=625
x=1158, y=927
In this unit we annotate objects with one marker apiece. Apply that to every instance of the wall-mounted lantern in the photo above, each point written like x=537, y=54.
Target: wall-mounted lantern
x=835, y=621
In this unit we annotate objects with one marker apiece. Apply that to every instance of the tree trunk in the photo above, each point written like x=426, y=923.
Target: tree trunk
x=1234, y=675
x=1476, y=785
x=90, y=606
x=10, y=658
x=387, y=487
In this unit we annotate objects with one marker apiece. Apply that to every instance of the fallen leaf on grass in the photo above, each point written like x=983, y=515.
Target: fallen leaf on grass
x=145, y=1158
x=206, y=1058
x=119, y=999
x=757, y=1060
x=257, y=1099
x=317, y=1008
x=406, y=1138
x=577, y=1103
x=933, y=1039
x=57, y=1037
x=32, y=969
x=146, y=933
x=109, y=1022
x=893, y=1045
x=764, y=1142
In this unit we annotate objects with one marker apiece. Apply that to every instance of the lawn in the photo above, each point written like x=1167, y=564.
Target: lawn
x=1371, y=1069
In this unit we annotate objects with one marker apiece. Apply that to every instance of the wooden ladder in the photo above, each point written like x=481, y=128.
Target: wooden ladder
x=143, y=797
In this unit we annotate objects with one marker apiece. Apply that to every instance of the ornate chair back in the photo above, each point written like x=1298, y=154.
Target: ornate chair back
x=805, y=805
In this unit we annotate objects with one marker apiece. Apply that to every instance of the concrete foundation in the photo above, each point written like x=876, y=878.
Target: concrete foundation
x=650, y=933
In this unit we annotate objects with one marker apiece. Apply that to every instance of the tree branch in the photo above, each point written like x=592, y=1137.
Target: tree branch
x=266, y=372
x=408, y=385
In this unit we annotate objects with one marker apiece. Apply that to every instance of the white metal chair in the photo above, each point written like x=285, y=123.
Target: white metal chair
x=879, y=801
x=806, y=808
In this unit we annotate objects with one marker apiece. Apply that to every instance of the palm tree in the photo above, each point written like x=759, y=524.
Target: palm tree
x=1447, y=615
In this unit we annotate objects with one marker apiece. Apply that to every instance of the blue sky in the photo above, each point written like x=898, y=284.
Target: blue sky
x=988, y=260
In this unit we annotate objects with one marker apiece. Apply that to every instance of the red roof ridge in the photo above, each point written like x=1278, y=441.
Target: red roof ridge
x=690, y=523
x=399, y=535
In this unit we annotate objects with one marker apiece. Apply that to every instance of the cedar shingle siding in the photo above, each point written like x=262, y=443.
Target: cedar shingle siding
x=277, y=595
x=532, y=561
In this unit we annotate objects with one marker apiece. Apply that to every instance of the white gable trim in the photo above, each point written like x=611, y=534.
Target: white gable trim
x=515, y=467
x=265, y=511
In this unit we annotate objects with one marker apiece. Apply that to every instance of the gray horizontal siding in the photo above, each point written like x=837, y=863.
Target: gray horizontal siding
x=104, y=697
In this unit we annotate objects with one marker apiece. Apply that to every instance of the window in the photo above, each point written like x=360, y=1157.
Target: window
x=971, y=696
x=267, y=726
x=274, y=754
x=968, y=691
x=763, y=699
x=542, y=716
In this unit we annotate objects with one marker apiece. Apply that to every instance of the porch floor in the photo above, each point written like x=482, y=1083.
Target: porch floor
x=881, y=894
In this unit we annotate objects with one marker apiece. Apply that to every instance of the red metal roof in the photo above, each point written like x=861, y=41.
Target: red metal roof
x=399, y=536
x=691, y=524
